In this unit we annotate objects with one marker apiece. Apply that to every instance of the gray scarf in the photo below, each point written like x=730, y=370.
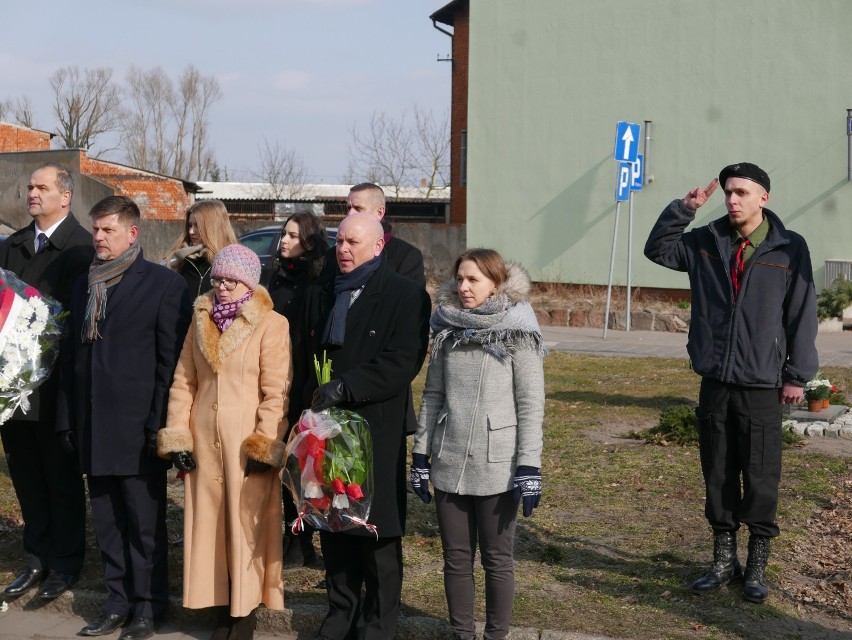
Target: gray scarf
x=104, y=274
x=499, y=326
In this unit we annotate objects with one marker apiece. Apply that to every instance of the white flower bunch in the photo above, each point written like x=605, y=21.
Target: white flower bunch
x=31, y=327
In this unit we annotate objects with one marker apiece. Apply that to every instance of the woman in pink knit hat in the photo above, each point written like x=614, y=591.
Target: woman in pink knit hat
x=225, y=426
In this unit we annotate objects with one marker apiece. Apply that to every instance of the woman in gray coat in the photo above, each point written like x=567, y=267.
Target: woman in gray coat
x=479, y=435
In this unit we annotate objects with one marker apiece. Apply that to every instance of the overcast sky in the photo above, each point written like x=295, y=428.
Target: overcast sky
x=300, y=72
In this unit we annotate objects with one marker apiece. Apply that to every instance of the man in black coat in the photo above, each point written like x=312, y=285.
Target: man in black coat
x=130, y=317
x=401, y=257
x=373, y=324
x=47, y=254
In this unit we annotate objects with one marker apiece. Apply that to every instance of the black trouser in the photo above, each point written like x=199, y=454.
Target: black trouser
x=50, y=490
x=350, y=562
x=129, y=516
x=740, y=441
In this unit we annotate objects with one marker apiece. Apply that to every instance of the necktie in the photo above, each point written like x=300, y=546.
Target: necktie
x=42, y=241
x=738, y=266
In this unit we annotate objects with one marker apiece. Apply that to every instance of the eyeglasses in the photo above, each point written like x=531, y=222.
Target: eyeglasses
x=230, y=285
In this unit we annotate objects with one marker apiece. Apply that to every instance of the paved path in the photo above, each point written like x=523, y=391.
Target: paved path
x=835, y=348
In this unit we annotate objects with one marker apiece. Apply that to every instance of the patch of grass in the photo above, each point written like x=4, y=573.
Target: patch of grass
x=620, y=534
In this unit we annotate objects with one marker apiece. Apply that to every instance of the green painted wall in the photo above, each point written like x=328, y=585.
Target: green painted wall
x=764, y=81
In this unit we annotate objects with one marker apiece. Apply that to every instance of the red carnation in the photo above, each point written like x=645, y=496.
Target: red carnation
x=31, y=292
x=337, y=485
x=320, y=504
x=354, y=491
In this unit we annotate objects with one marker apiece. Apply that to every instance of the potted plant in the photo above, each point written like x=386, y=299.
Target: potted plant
x=817, y=393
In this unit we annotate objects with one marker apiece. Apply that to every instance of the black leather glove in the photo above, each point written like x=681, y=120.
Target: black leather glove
x=330, y=394
x=67, y=442
x=151, y=445
x=527, y=485
x=419, y=476
x=183, y=460
x=256, y=466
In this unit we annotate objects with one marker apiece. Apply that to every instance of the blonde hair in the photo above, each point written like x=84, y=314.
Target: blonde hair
x=214, y=227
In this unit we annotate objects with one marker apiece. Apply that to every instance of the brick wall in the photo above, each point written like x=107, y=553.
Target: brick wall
x=16, y=138
x=158, y=197
x=458, y=113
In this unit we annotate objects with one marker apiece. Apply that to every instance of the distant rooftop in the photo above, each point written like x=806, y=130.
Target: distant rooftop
x=309, y=192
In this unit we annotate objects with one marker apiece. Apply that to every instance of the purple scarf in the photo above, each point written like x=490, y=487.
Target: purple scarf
x=224, y=312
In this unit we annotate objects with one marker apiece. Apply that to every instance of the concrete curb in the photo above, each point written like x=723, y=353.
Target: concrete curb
x=301, y=620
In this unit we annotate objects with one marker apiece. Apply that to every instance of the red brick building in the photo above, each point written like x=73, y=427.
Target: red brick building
x=22, y=150
x=456, y=14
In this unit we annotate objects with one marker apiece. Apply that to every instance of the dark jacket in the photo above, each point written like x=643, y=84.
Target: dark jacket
x=116, y=388
x=768, y=336
x=196, y=272
x=384, y=347
x=68, y=253
x=287, y=285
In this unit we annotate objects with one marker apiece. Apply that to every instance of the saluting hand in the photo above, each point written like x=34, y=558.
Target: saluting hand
x=699, y=196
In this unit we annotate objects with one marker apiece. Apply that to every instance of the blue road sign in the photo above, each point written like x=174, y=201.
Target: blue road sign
x=637, y=170
x=626, y=141
x=622, y=186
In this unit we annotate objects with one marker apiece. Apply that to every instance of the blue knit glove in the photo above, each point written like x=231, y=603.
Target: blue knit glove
x=419, y=476
x=527, y=485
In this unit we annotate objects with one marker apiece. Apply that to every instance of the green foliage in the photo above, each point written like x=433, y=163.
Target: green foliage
x=832, y=301
x=820, y=392
x=790, y=438
x=677, y=426
x=683, y=304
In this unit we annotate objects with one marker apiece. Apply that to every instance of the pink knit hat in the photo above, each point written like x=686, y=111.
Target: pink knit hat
x=236, y=262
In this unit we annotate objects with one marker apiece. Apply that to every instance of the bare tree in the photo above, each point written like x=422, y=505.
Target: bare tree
x=385, y=152
x=22, y=111
x=394, y=153
x=433, y=148
x=86, y=105
x=166, y=127
x=281, y=170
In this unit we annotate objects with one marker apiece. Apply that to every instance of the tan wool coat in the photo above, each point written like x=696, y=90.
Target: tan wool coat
x=228, y=401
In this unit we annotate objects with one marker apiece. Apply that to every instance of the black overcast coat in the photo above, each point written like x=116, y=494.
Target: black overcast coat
x=116, y=388
x=387, y=330
x=68, y=253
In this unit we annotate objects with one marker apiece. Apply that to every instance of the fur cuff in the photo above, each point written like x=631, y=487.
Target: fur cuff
x=264, y=449
x=171, y=440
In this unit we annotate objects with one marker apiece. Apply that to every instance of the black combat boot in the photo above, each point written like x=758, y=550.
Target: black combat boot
x=755, y=574
x=726, y=565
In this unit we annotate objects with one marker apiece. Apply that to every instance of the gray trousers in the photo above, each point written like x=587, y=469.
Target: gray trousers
x=489, y=521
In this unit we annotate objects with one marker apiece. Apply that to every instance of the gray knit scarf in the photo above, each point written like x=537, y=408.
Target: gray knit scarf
x=499, y=326
x=104, y=274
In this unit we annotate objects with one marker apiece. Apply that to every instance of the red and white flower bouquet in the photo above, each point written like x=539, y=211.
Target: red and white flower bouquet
x=31, y=327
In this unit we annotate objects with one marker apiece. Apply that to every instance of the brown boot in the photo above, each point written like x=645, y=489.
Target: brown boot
x=243, y=628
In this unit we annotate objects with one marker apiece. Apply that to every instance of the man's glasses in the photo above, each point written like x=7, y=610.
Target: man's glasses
x=230, y=285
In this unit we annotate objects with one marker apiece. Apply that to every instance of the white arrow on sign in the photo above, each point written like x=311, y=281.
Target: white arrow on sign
x=627, y=138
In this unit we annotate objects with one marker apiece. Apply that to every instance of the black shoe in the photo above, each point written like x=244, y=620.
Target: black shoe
x=139, y=629
x=107, y=623
x=25, y=581
x=755, y=589
x=55, y=585
x=725, y=567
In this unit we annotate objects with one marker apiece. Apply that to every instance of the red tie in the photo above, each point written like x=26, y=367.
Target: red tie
x=738, y=266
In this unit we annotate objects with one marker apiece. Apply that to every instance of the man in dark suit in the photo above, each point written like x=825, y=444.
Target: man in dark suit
x=130, y=317
x=373, y=325
x=47, y=254
x=402, y=257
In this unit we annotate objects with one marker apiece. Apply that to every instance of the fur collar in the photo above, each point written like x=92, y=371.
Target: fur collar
x=516, y=288
x=216, y=345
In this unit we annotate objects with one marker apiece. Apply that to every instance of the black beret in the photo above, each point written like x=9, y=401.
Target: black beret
x=745, y=170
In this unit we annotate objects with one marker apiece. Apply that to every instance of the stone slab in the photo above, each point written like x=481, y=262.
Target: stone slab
x=826, y=415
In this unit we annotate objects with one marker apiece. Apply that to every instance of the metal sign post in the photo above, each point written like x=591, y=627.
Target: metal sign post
x=636, y=182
